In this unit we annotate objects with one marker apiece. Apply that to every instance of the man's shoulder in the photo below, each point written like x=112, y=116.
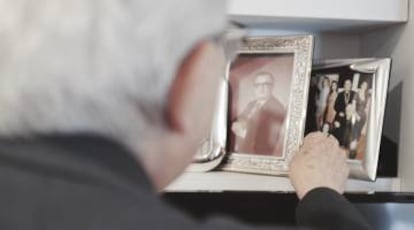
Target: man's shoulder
x=275, y=105
x=249, y=106
x=274, y=101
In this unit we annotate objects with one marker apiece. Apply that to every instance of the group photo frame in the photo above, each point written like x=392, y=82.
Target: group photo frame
x=347, y=99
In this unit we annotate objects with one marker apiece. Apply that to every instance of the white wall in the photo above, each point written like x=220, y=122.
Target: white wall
x=337, y=46
x=398, y=42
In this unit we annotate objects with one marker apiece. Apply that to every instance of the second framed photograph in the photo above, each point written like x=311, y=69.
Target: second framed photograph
x=347, y=100
x=267, y=99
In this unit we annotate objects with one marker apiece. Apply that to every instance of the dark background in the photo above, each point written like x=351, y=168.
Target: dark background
x=382, y=210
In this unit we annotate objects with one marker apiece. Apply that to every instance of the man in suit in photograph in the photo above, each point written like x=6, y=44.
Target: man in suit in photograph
x=343, y=108
x=258, y=128
x=104, y=104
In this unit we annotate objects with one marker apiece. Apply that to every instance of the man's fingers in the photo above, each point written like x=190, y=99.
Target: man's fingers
x=343, y=154
x=316, y=137
x=347, y=170
x=313, y=138
x=333, y=139
x=319, y=162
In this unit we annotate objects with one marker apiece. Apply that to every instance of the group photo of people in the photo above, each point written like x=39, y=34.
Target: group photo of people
x=339, y=105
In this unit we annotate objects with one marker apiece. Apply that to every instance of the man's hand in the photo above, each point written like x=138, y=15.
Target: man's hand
x=319, y=163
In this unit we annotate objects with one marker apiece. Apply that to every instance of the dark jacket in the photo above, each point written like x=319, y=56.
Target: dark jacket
x=263, y=128
x=340, y=107
x=86, y=182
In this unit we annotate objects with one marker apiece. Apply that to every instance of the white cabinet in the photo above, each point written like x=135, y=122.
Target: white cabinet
x=343, y=29
x=318, y=15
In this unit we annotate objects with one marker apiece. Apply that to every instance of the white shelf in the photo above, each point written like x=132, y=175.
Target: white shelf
x=227, y=181
x=318, y=15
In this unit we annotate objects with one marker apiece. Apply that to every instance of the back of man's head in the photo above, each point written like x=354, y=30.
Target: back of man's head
x=100, y=66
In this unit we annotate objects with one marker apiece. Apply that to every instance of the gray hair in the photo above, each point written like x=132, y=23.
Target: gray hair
x=95, y=66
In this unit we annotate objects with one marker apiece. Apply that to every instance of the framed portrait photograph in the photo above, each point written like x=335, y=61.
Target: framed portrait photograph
x=259, y=120
x=267, y=99
x=347, y=100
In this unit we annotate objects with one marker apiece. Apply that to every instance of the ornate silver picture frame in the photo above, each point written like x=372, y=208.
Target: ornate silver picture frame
x=347, y=99
x=261, y=110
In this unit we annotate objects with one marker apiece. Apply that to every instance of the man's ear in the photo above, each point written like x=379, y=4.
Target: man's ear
x=180, y=88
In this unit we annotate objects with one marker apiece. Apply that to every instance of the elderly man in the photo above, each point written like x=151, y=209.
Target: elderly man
x=103, y=103
x=259, y=126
